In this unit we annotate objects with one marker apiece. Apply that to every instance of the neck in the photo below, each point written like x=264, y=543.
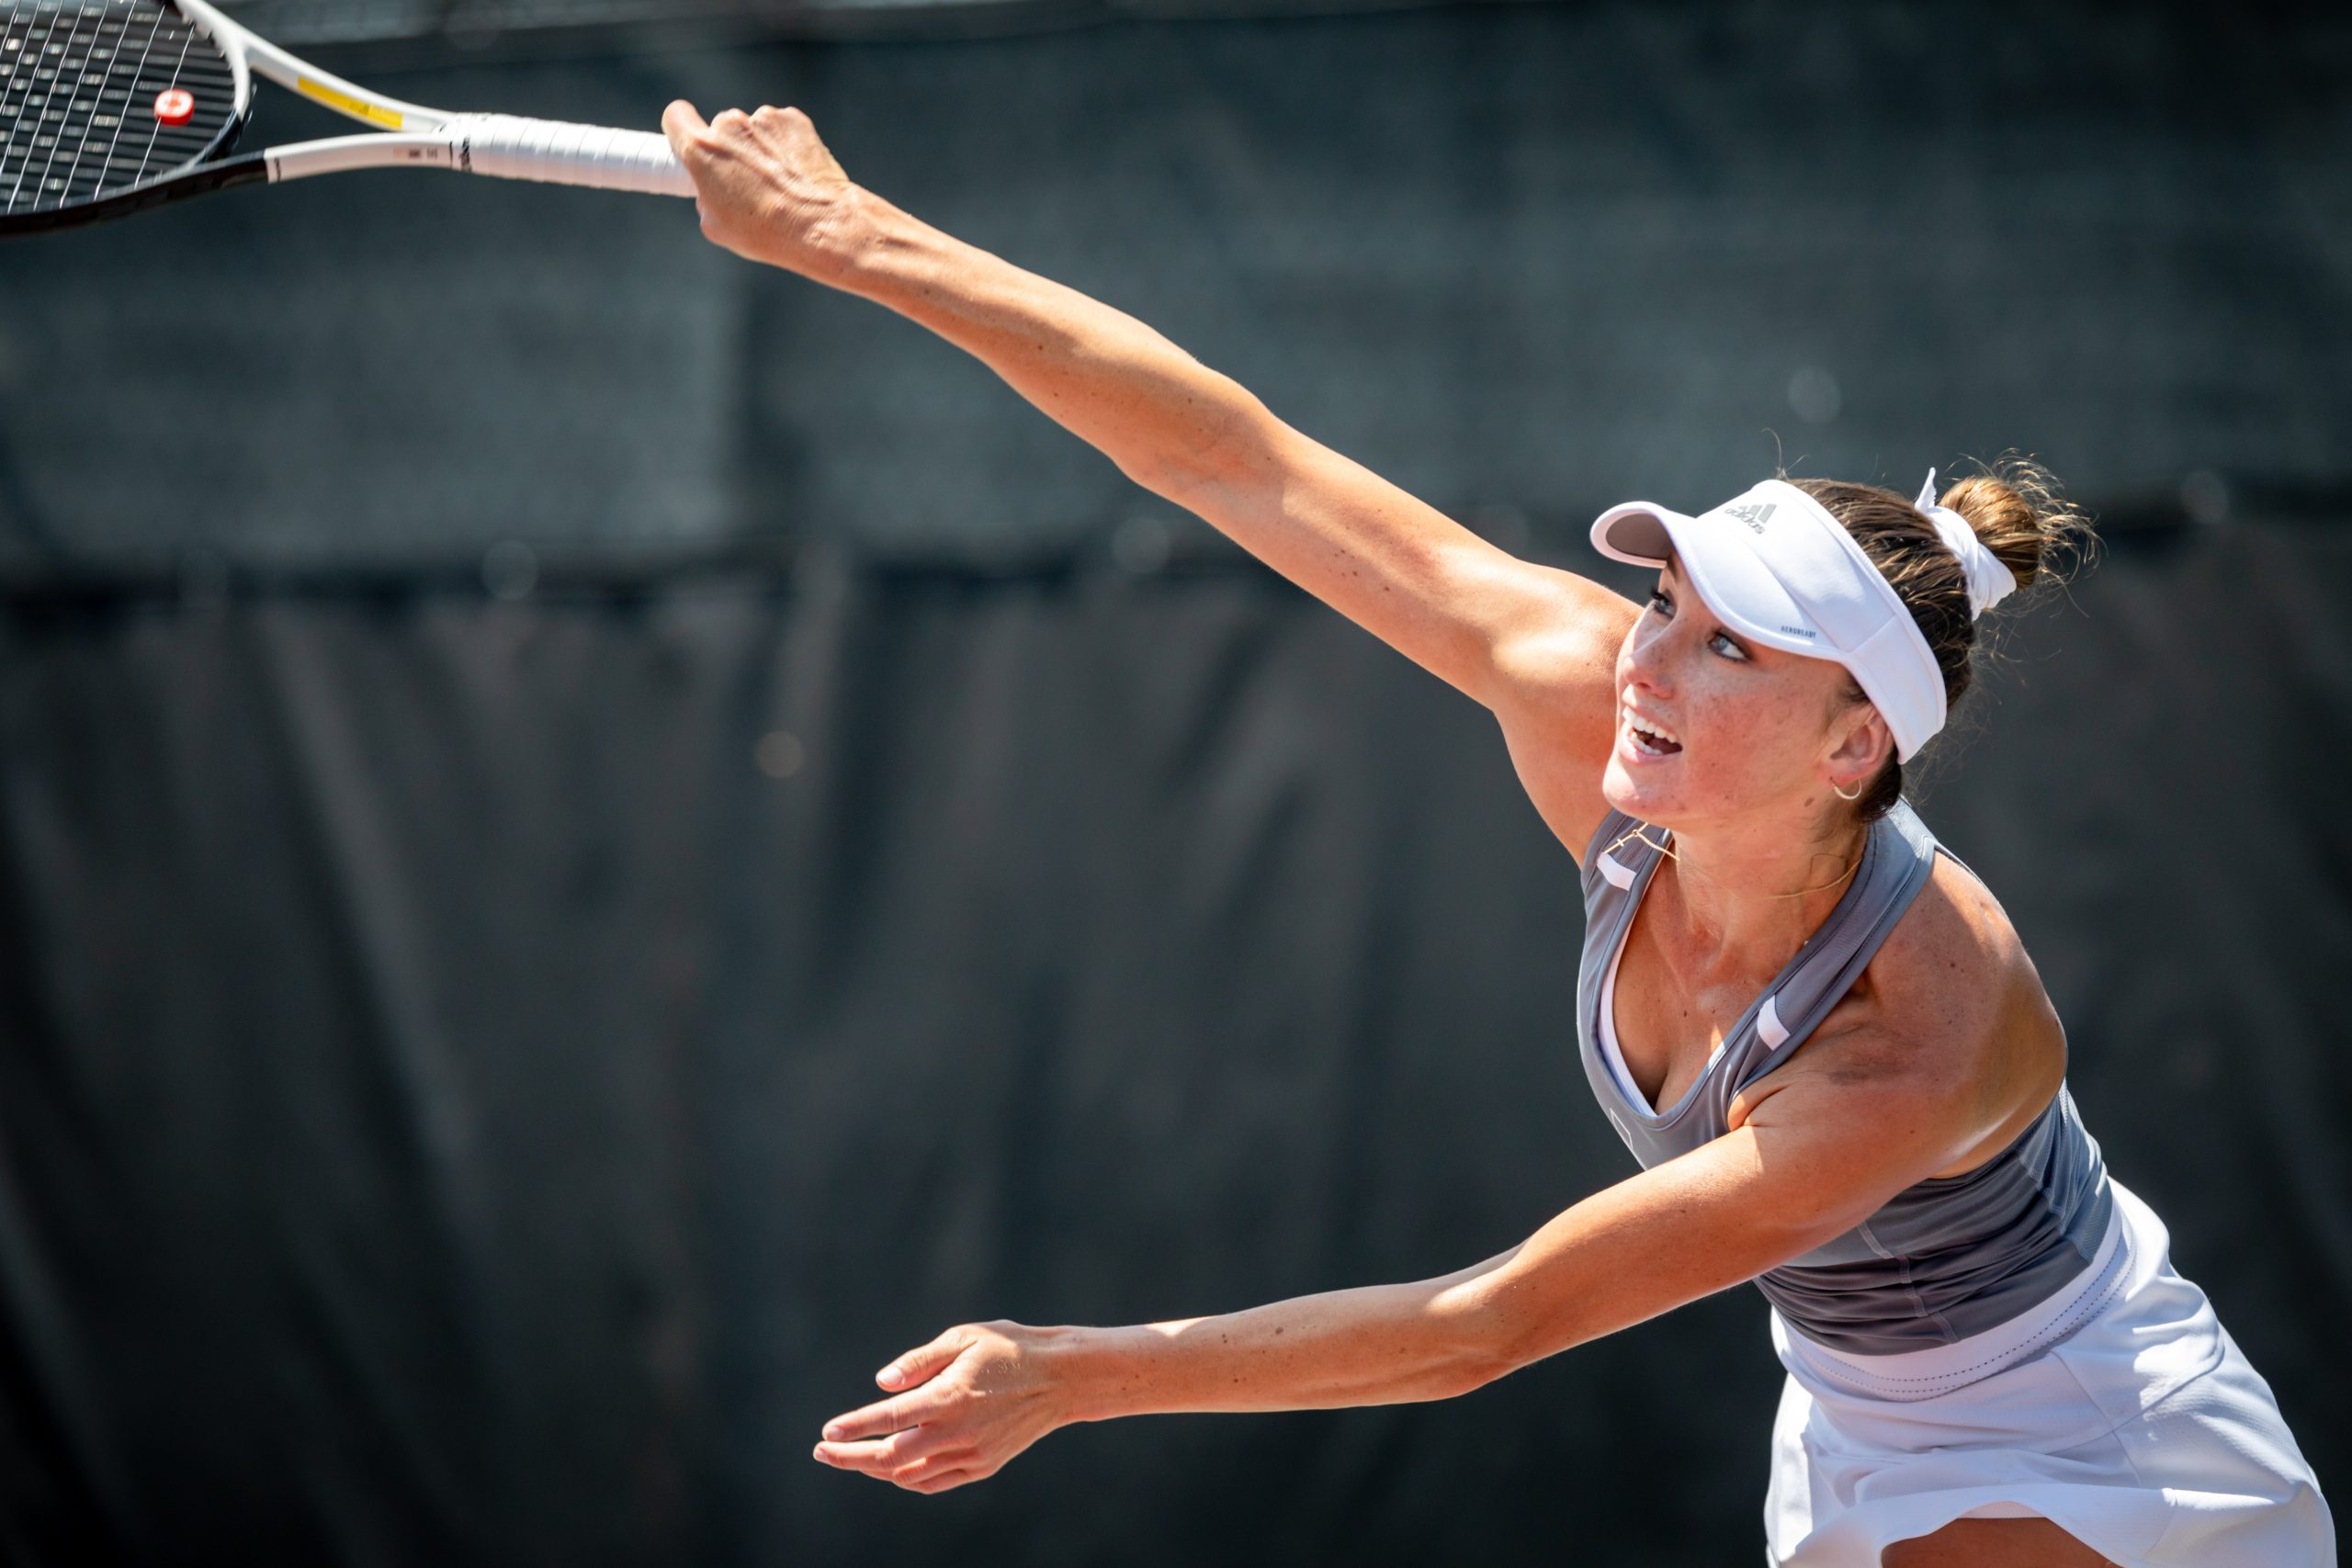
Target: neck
x=1757, y=887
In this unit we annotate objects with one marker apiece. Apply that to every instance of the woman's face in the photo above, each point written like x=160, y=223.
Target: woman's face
x=1714, y=727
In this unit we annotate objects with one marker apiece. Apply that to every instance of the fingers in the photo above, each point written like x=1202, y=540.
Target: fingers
x=938, y=1474
x=920, y=1365
x=876, y=1420
x=919, y=1460
x=882, y=1456
x=680, y=122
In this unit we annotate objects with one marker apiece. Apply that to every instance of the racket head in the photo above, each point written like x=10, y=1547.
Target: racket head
x=86, y=132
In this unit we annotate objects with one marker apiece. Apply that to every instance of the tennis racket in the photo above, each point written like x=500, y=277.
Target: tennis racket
x=109, y=108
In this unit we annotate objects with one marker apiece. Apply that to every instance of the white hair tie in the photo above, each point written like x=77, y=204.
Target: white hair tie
x=1989, y=581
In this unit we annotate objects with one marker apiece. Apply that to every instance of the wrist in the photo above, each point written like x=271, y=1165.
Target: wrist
x=856, y=236
x=1096, y=1372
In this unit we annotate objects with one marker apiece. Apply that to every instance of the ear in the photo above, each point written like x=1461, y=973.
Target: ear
x=1857, y=757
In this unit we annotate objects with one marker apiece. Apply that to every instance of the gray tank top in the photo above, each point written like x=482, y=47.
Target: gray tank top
x=1943, y=1259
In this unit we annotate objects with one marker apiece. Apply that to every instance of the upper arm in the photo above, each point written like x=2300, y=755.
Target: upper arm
x=1536, y=645
x=1815, y=1161
x=1471, y=613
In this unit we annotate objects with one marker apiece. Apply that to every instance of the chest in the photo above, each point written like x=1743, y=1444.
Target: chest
x=1673, y=1011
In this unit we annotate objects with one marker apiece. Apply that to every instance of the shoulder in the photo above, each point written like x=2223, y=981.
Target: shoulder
x=1953, y=962
x=1955, y=974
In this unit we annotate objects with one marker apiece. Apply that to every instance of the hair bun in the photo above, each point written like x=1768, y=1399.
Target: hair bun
x=2020, y=515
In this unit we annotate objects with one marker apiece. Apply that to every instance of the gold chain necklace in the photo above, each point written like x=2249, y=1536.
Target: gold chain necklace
x=1636, y=832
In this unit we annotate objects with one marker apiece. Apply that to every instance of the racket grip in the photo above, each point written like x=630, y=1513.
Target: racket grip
x=509, y=147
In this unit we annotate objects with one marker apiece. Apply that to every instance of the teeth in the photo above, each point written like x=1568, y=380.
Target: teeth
x=1654, y=732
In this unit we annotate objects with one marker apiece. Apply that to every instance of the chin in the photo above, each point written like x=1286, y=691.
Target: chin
x=1635, y=797
x=1671, y=802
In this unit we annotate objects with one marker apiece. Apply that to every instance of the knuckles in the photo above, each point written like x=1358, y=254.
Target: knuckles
x=735, y=122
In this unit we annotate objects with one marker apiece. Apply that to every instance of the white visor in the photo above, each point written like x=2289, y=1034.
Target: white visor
x=1780, y=571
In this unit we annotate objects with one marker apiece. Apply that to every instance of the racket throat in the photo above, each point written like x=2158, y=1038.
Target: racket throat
x=338, y=154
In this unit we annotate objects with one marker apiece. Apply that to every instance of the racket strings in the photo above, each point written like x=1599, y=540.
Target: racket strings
x=79, y=85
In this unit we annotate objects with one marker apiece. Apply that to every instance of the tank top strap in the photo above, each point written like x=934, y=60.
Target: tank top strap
x=1897, y=859
x=1622, y=848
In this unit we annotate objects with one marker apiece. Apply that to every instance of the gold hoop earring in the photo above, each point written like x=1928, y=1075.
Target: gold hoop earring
x=1842, y=794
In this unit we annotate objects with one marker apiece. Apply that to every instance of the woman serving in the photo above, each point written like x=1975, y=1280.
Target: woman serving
x=1818, y=1035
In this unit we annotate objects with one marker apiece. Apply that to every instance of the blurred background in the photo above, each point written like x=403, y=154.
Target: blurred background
x=594, y=840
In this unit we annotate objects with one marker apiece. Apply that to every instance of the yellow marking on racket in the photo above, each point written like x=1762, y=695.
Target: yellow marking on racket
x=336, y=99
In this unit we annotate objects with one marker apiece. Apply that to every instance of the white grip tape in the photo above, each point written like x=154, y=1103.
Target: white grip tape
x=509, y=147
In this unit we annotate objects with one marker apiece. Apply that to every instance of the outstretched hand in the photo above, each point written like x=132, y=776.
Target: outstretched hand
x=966, y=1404
x=767, y=187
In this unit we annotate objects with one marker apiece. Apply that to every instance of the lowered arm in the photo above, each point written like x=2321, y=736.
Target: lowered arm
x=1811, y=1160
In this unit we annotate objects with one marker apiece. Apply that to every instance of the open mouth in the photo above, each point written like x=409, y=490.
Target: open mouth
x=1650, y=740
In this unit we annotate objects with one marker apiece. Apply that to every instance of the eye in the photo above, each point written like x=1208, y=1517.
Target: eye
x=1663, y=602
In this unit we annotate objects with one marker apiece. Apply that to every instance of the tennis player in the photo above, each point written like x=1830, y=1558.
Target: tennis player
x=1819, y=1035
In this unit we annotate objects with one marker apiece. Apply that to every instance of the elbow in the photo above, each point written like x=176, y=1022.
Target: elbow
x=1460, y=1370
x=1224, y=444
x=1493, y=1338
x=1491, y=1362
x=1477, y=1372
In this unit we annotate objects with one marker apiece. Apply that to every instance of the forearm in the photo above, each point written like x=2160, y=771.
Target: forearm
x=1619, y=1258
x=1167, y=420
x=1376, y=1345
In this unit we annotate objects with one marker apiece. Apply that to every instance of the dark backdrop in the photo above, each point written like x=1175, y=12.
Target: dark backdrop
x=593, y=841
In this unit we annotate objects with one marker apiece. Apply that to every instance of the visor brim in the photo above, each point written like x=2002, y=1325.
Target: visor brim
x=1715, y=557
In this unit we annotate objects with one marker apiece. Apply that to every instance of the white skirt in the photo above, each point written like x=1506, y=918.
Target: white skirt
x=2121, y=1408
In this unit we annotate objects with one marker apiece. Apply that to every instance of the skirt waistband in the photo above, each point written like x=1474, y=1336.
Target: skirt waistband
x=1939, y=1368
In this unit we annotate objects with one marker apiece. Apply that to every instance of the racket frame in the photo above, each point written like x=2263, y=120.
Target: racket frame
x=408, y=135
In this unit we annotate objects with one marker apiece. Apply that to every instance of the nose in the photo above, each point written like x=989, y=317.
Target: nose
x=1642, y=662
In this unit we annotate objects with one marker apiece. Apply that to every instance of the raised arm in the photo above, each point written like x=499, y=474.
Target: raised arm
x=1536, y=645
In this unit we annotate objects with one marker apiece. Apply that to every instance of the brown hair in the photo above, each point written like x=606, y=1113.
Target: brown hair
x=2015, y=506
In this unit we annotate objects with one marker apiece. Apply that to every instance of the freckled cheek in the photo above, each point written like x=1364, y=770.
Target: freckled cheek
x=1736, y=729
x=1769, y=737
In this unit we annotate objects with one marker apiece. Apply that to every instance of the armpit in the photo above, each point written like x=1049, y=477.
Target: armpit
x=1850, y=1049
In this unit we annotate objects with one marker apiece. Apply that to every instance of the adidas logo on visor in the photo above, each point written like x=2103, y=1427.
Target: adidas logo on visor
x=1755, y=514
